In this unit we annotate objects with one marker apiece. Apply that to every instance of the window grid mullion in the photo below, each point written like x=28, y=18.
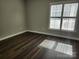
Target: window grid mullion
x=62, y=16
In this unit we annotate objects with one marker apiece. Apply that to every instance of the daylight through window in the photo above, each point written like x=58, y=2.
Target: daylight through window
x=63, y=16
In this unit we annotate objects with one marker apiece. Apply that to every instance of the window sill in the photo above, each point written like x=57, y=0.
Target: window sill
x=62, y=30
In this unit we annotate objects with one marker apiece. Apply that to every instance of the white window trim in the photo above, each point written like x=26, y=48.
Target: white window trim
x=63, y=2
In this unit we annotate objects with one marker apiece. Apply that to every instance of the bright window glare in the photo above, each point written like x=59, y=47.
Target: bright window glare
x=63, y=16
x=64, y=48
x=56, y=10
x=48, y=44
x=68, y=24
x=70, y=10
x=55, y=23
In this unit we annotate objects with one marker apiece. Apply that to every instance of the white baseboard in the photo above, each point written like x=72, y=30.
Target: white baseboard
x=74, y=38
x=12, y=35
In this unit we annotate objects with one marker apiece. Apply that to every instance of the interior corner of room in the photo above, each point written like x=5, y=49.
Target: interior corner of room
x=39, y=29
x=19, y=16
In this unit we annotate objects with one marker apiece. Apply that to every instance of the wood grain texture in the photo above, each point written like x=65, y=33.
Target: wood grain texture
x=26, y=46
x=20, y=46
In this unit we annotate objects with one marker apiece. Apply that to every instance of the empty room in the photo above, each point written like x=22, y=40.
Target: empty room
x=39, y=29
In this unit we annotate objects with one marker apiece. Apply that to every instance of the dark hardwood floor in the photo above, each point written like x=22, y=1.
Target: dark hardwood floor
x=38, y=46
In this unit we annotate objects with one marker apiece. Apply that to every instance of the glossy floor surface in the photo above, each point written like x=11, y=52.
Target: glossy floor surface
x=38, y=46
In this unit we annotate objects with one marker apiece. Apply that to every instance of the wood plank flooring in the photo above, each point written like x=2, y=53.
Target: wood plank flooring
x=18, y=47
x=27, y=46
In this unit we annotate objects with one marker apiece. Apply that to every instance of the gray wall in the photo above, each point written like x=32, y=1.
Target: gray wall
x=12, y=17
x=37, y=14
x=17, y=16
x=38, y=18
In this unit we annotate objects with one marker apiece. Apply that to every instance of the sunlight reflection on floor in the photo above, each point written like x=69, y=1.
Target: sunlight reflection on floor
x=64, y=48
x=48, y=44
x=57, y=46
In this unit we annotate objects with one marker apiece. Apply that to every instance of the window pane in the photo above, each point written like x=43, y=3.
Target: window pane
x=70, y=10
x=68, y=24
x=56, y=10
x=55, y=23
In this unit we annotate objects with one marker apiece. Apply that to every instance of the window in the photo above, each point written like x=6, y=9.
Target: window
x=63, y=16
x=55, y=23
